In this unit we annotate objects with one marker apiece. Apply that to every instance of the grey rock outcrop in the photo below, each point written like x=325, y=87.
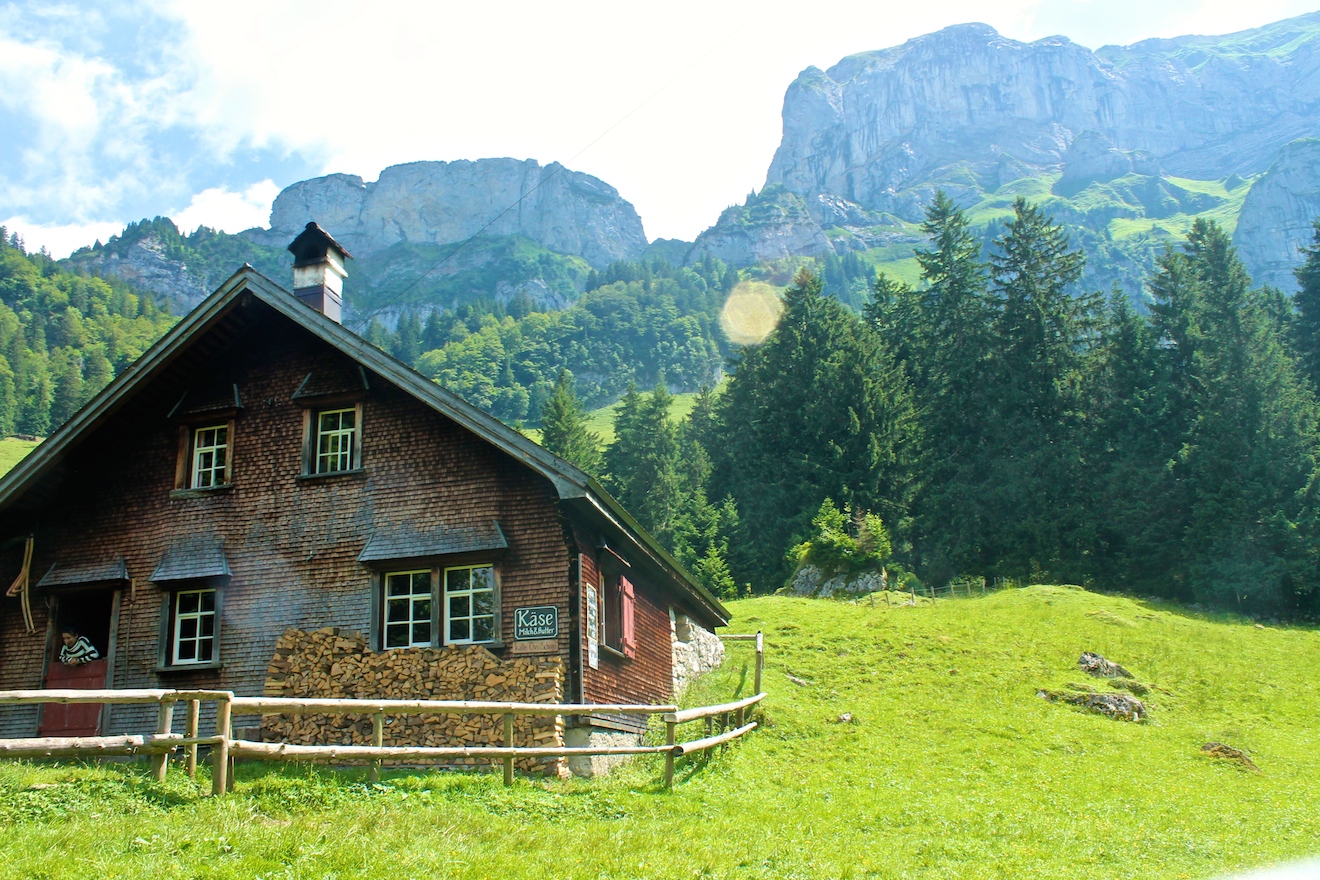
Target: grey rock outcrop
x=442, y=202
x=811, y=580
x=1204, y=107
x=146, y=266
x=868, y=142
x=1277, y=215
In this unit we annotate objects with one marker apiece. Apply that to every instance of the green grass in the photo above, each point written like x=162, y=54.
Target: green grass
x=601, y=421
x=12, y=451
x=950, y=767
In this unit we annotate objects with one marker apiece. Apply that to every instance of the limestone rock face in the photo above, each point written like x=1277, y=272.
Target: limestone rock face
x=146, y=266
x=1203, y=107
x=868, y=142
x=441, y=202
x=810, y=580
x=1276, y=219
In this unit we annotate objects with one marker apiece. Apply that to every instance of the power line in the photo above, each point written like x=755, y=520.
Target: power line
x=544, y=180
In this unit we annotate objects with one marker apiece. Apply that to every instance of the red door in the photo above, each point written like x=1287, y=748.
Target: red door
x=73, y=719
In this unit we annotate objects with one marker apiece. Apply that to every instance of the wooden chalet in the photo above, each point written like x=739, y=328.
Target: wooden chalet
x=265, y=503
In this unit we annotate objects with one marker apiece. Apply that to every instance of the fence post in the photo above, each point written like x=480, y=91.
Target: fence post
x=760, y=661
x=377, y=739
x=931, y=587
x=220, y=751
x=190, y=731
x=671, y=737
x=508, y=744
x=164, y=719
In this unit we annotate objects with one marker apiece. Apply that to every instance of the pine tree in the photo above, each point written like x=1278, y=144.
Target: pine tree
x=642, y=466
x=1307, y=303
x=68, y=394
x=1036, y=516
x=818, y=410
x=408, y=339
x=954, y=343
x=564, y=427
x=1249, y=446
x=1130, y=442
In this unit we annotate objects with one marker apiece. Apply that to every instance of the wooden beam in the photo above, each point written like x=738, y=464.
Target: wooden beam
x=283, y=751
x=706, y=711
x=698, y=745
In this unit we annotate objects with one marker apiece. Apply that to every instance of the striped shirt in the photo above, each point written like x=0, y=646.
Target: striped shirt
x=81, y=651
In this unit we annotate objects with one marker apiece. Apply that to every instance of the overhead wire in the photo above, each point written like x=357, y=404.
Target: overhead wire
x=562, y=166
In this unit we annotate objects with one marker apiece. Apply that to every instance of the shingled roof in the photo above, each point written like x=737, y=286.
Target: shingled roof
x=574, y=486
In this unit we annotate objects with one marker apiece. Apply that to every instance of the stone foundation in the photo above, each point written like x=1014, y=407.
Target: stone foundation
x=696, y=650
x=588, y=766
x=332, y=664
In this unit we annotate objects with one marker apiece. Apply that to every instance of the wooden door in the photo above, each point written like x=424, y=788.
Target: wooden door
x=74, y=719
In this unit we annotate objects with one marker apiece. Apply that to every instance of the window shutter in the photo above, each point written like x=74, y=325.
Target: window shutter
x=628, y=603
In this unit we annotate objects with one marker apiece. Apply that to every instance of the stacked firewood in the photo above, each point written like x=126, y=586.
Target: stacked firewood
x=339, y=664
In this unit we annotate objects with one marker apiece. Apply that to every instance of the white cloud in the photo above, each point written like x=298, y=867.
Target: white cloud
x=226, y=210
x=60, y=240
x=206, y=99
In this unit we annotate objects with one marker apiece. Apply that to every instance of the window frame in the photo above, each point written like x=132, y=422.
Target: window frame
x=311, y=457
x=439, y=604
x=471, y=617
x=197, y=451
x=412, y=599
x=168, y=652
x=185, y=472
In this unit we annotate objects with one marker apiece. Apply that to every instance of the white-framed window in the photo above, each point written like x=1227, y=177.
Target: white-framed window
x=469, y=604
x=210, y=459
x=408, y=602
x=336, y=441
x=194, y=627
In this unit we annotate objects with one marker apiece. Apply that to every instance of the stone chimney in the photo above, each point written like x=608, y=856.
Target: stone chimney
x=318, y=271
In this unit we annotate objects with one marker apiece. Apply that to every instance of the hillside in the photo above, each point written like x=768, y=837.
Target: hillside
x=950, y=766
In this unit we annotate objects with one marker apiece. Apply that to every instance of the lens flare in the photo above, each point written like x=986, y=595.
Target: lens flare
x=751, y=312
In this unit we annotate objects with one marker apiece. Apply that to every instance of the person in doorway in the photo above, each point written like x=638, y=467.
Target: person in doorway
x=78, y=649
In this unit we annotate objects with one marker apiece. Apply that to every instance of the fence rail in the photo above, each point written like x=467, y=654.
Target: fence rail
x=225, y=748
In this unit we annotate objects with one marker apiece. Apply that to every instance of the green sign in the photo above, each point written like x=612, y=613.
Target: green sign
x=540, y=622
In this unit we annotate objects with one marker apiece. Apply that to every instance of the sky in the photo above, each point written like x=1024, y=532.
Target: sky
x=203, y=112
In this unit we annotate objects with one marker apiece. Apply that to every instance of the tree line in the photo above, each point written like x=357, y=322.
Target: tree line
x=636, y=322
x=63, y=336
x=996, y=421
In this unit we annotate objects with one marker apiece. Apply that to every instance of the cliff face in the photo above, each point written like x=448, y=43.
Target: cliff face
x=880, y=122
x=1124, y=144
x=443, y=202
x=1276, y=219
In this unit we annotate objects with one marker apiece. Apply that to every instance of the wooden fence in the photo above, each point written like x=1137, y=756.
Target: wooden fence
x=733, y=718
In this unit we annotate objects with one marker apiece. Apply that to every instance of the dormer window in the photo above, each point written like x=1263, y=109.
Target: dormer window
x=336, y=441
x=210, y=458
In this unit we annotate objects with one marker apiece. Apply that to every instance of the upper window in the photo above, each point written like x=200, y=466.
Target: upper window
x=210, y=459
x=336, y=441
x=408, y=602
x=194, y=627
x=469, y=604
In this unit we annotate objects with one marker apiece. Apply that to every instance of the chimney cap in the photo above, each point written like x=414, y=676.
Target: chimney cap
x=312, y=244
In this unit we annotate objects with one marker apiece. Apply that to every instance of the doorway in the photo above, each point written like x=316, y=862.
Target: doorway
x=89, y=612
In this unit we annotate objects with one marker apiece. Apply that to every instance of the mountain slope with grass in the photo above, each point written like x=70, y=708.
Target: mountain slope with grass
x=950, y=765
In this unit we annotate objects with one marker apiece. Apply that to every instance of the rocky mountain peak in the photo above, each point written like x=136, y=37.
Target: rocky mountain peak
x=442, y=202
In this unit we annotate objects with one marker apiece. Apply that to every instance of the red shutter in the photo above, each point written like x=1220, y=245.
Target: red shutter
x=628, y=623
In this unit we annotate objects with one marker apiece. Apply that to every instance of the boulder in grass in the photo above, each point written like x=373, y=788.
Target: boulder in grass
x=1093, y=664
x=1228, y=753
x=1120, y=707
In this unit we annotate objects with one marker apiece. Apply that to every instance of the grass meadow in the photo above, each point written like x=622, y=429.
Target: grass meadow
x=951, y=766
